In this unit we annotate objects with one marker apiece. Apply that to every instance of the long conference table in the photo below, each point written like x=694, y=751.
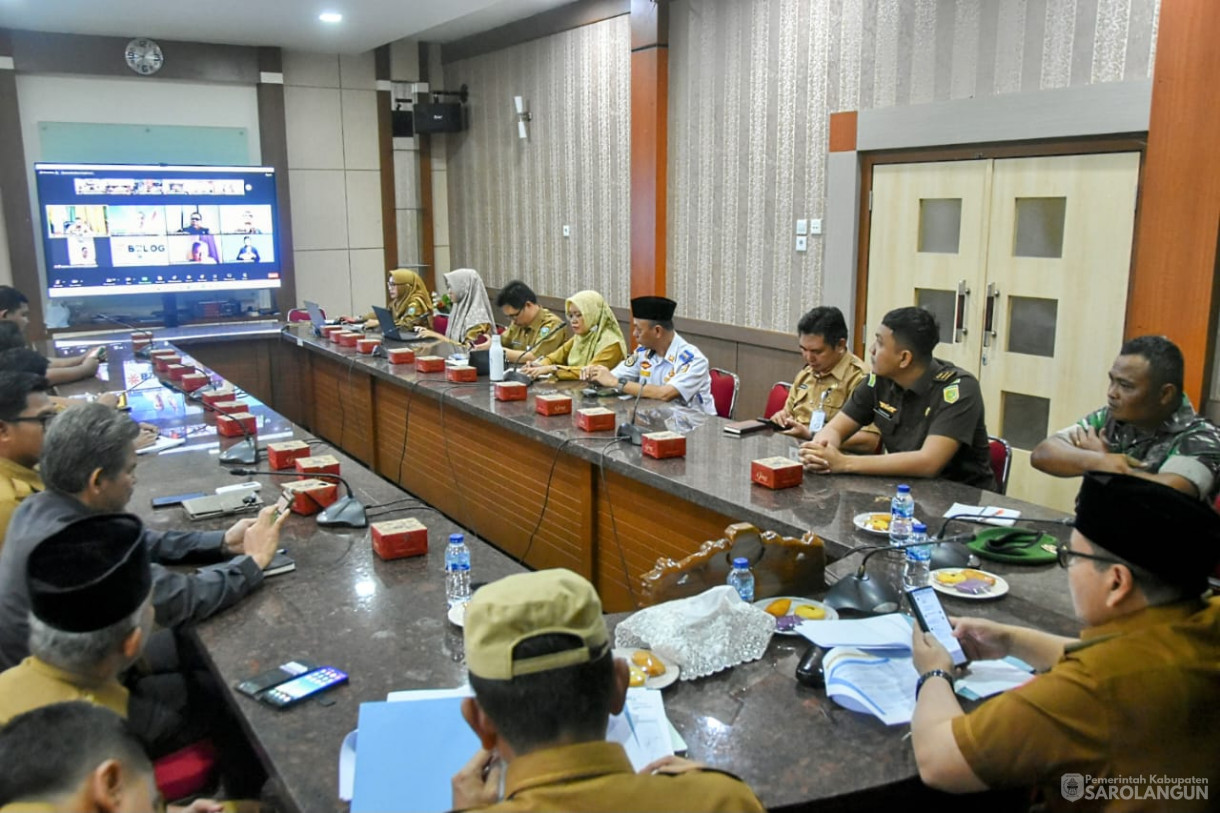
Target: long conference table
x=529, y=491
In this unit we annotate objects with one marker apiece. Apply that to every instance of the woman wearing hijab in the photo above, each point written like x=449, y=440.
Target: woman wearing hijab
x=410, y=302
x=597, y=339
x=470, y=318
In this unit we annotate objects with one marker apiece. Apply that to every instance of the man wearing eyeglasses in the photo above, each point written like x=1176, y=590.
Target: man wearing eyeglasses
x=1137, y=695
x=25, y=410
x=533, y=331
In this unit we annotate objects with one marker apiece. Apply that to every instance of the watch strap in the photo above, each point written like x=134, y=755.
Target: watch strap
x=932, y=673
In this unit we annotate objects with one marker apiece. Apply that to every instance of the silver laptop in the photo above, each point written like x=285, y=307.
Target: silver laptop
x=315, y=317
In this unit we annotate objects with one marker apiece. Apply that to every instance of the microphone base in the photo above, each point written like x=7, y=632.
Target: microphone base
x=244, y=453
x=862, y=596
x=518, y=377
x=632, y=433
x=953, y=554
x=346, y=513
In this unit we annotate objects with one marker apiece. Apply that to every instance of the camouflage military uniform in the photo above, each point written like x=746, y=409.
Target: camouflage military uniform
x=1186, y=444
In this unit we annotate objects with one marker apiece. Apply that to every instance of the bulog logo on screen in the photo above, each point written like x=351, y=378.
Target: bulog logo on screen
x=137, y=248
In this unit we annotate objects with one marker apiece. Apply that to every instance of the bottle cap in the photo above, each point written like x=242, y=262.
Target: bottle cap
x=741, y=562
x=904, y=489
x=456, y=539
x=919, y=528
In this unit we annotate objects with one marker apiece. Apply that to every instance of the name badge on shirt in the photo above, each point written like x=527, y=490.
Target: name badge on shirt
x=817, y=420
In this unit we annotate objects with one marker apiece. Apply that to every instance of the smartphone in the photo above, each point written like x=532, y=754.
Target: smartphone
x=175, y=499
x=123, y=404
x=281, y=505
x=931, y=617
x=303, y=687
x=274, y=677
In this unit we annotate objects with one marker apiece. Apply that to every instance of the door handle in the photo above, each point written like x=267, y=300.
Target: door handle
x=959, y=313
x=989, y=331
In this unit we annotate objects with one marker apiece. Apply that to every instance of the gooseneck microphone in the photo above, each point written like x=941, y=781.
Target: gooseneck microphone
x=515, y=374
x=631, y=431
x=245, y=452
x=347, y=512
x=863, y=595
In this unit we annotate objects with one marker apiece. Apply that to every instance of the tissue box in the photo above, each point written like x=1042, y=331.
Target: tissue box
x=284, y=455
x=230, y=426
x=400, y=355
x=429, y=364
x=398, y=538
x=367, y=346
x=553, y=404
x=595, y=419
x=141, y=339
x=213, y=397
x=348, y=338
x=161, y=363
x=664, y=444
x=230, y=407
x=322, y=464
x=194, y=381
x=510, y=391
x=307, y=497
x=461, y=373
x=776, y=472
x=176, y=371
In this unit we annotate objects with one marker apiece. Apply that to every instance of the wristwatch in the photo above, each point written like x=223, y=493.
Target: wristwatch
x=931, y=673
x=622, y=383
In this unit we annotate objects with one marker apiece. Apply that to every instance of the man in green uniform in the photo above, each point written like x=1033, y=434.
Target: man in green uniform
x=831, y=374
x=545, y=684
x=24, y=411
x=1147, y=428
x=533, y=331
x=929, y=412
x=1137, y=697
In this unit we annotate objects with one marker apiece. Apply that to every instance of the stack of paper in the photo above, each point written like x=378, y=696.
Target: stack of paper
x=995, y=516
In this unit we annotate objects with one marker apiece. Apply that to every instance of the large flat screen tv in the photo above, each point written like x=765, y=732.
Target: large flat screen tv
x=123, y=229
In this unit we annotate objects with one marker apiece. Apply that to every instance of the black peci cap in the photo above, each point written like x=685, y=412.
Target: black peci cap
x=653, y=308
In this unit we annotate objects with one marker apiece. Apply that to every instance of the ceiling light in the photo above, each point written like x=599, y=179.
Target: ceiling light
x=330, y=17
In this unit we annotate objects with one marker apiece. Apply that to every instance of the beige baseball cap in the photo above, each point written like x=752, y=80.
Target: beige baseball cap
x=516, y=608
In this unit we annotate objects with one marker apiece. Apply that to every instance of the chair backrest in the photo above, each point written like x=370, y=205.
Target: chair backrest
x=188, y=771
x=783, y=566
x=1001, y=461
x=301, y=315
x=777, y=397
x=440, y=323
x=724, y=391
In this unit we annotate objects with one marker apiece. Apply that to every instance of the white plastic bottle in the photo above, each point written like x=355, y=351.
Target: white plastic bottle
x=457, y=570
x=496, y=359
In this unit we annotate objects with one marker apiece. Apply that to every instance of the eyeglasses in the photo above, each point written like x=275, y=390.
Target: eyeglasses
x=1065, y=554
x=45, y=420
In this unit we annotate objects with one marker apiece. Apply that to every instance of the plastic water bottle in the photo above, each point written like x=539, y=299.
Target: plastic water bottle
x=457, y=570
x=919, y=559
x=741, y=578
x=902, y=514
x=495, y=358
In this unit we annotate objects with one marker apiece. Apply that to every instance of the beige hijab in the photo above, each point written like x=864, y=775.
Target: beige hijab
x=412, y=293
x=603, y=328
x=471, y=306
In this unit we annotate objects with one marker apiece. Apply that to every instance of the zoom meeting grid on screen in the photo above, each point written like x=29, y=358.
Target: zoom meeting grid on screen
x=110, y=229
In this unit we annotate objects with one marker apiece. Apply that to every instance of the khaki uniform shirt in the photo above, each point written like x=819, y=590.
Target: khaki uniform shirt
x=543, y=336
x=1137, y=697
x=945, y=401
x=1186, y=444
x=16, y=483
x=608, y=357
x=33, y=684
x=597, y=776
x=838, y=384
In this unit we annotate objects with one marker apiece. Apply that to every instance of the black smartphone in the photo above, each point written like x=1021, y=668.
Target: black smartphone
x=303, y=687
x=274, y=677
x=931, y=617
x=175, y=499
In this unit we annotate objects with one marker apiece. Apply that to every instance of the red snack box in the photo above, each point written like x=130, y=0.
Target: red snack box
x=595, y=419
x=308, y=497
x=213, y=397
x=161, y=363
x=398, y=538
x=328, y=331
x=140, y=339
x=429, y=364
x=400, y=355
x=664, y=444
x=230, y=407
x=348, y=338
x=164, y=351
x=194, y=381
x=284, y=455
x=510, y=391
x=367, y=346
x=230, y=425
x=176, y=371
x=322, y=464
x=776, y=472
x=553, y=403
x=461, y=373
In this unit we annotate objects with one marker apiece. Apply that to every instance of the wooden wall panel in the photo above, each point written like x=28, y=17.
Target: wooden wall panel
x=343, y=407
x=248, y=363
x=649, y=145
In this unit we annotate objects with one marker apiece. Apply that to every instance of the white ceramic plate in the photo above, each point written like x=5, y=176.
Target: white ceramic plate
x=457, y=615
x=831, y=613
x=998, y=589
x=861, y=522
x=660, y=681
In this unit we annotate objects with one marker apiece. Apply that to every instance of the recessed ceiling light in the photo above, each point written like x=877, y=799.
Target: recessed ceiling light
x=330, y=17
